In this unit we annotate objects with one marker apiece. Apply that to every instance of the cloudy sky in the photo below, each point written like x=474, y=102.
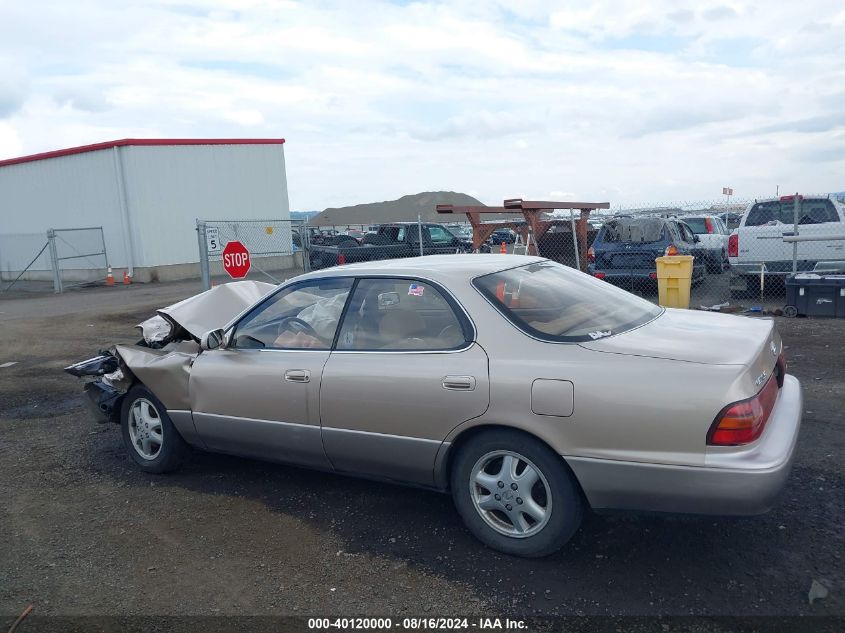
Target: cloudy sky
x=635, y=101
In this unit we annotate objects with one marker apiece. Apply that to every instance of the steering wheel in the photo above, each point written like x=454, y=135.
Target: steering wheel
x=297, y=325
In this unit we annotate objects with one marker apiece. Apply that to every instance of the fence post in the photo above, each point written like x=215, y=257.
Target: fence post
x=203, y=250
x=796, y=211
x=305, y=241
x=54, y=259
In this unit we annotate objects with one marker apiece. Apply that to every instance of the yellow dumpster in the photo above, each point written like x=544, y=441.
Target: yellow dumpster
x=674, y=276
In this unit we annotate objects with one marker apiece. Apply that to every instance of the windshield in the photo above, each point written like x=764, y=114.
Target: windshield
x=639, y=230
x=783, y=212
x=556, y=303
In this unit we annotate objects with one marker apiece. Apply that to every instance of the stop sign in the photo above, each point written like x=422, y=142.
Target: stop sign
x=236, y=260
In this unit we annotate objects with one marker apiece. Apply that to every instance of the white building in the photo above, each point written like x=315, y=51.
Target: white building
x=146, y=194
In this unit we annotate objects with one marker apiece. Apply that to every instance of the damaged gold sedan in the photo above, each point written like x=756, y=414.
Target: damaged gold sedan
x=525, y=388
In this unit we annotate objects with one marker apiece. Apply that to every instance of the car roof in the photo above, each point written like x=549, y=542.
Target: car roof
x=442, y=268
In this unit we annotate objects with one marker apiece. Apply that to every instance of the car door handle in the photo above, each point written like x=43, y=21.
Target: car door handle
x=298, y=375
x=459, y=383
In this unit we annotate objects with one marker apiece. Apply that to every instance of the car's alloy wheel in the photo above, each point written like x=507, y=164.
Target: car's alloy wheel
x=145, y=429
x=148, y=432
x=511, y=494
x=515, y=493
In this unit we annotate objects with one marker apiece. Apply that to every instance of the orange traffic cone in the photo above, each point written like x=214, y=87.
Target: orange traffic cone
x=503, y=248
x=126, y=278
x=109, y=278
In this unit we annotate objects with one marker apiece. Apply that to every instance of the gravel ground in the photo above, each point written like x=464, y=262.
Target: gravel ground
x=84, y=532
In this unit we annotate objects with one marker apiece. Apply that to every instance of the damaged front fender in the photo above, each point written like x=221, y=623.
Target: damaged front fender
x=165, y=371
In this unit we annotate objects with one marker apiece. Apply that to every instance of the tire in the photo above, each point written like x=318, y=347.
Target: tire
x=555, y=495
x=141, y=415
x=790, y=312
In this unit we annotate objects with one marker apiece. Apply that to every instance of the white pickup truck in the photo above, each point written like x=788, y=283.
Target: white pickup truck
x=757, y=243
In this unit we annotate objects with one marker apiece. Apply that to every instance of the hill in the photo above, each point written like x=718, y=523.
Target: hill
x=405, y=209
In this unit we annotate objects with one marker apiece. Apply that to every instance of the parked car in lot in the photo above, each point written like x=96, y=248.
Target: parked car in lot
x=323, y=237
x=526, y=389
x=625, y=248
x=502, y=236
x=395, y=240
x=757, y=244
x=713, y=240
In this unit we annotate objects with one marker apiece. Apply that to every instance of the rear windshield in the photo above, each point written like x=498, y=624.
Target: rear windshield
x=555, y=303
x=783, y=212
x=698, y=225
x=638, y=230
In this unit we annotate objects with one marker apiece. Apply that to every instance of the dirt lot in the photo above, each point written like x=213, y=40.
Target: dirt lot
x=85, y=532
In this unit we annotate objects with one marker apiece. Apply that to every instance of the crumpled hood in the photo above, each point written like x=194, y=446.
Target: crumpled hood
x=214, y=308
x=694, y=336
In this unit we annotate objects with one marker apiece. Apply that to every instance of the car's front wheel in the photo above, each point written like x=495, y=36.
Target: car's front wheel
x=515, y=494
x=148, y=433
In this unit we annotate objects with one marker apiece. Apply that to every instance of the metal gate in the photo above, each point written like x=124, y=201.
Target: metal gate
x=78, y=255
x=276, y=248
x=68, y=257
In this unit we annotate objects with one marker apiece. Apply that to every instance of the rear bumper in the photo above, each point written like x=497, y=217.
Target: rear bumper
x=732, y=482
x=626, y=274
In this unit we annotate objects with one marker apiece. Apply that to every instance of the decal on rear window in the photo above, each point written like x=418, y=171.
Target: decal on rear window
x=416, y=290
x=599, y=334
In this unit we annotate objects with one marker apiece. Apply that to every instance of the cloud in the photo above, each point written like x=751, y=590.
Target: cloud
x=719, y=13
x=621, y=99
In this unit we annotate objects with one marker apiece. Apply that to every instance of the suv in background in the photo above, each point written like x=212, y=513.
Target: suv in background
x=625, y=248
x=756, y=247
x=713, y=240
x=502, y=236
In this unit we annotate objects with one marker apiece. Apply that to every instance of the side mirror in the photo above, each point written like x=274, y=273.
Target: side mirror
x=211, y=340
x=695, y=238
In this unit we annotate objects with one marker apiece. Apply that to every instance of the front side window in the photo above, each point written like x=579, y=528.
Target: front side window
x=400, y=314
x=558, y=304
x=440, y=236
x=304, y=316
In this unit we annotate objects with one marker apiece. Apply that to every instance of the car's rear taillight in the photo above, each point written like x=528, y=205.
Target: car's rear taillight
x=591, y=255
x=733, y=245
x=708, y=224
x=671, y=250
x=341, y=259
x=652, y=275
x=599, y=275
x=743, y=422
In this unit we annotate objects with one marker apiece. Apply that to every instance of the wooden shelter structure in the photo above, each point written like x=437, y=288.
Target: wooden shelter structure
x=534, y=223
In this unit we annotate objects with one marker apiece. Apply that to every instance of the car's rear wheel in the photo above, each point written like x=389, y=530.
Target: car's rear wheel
x=515, y=494
x=148, y=433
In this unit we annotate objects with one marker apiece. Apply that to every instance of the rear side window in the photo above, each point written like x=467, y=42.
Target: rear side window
x=783, y=212
x=558, y=304
x=635, y=230
x=401, y=314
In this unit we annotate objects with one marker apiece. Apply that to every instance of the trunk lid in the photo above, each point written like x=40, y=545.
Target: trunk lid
x=698, y=337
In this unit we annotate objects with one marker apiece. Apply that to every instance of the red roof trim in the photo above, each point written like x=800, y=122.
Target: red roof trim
x=141, y=141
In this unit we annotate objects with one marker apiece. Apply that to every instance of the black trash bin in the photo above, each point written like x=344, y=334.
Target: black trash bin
x=812, y=294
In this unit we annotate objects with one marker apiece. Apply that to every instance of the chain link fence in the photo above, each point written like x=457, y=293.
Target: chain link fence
x=744, y=250
x=275, y=250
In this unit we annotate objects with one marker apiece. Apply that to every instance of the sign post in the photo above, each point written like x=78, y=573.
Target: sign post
x=236, y=260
